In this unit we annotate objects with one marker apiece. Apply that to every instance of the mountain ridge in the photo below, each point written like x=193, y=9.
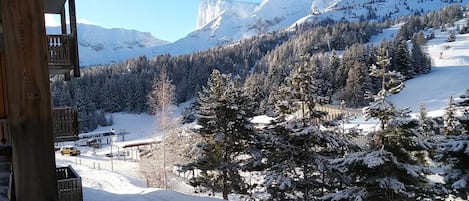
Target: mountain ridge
x=225, y=24
x=98, y=45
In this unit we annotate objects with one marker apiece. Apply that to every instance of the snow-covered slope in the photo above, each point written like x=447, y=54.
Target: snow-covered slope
x=98, y=45
x=449, y=75
x=229, y=21
x=320, y=6
x=101, y=185
x=353, y=10
x=225, y=21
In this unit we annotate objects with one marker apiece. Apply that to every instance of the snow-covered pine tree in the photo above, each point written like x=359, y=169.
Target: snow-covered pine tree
x=379, y=174
x=226, y=133
x=390, y=170
x=391, y=83
x=296, y=150
x=427, y=125
x=455, y=157
x=464, y=103
x=454, y=154
x=451, y=124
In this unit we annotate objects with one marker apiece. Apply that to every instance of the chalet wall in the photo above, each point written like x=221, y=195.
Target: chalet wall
x=29, y=119
x=1, y=31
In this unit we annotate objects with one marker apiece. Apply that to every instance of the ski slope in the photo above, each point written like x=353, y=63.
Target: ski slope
x=449, y=75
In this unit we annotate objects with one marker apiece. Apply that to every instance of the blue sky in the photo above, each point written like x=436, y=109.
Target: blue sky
x=165, y=19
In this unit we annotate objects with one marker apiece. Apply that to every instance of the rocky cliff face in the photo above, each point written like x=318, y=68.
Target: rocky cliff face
x=211, y=9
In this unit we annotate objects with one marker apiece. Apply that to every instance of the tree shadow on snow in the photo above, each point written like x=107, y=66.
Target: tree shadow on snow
x=90, y=194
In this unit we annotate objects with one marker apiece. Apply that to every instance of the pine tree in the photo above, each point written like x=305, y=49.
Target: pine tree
x=226, y=133
x=391, y=83
x=454, y=154
x=391, y=169
x=296, y=150
x=381, y=174
x=403, y=62
x=334, y=65
x=420, y=59
x=451, y=124
x=426, y=124
x=356, y=86
x=464, y=103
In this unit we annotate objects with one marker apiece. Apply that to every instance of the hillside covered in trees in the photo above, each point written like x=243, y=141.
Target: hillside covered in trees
x=334, y=53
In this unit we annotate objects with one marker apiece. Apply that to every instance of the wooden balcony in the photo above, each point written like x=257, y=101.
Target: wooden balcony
x=69, y=184
x=59, y=56
x=65, y=124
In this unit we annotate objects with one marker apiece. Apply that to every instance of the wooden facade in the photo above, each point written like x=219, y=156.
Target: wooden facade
x=27, y=59
x=65, y=124
x=62, y=52
x=69, y=184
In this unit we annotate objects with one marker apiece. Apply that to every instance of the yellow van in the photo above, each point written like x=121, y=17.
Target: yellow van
x=70, y=150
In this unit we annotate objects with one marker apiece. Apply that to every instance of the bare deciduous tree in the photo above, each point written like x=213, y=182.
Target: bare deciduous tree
x=160, y=100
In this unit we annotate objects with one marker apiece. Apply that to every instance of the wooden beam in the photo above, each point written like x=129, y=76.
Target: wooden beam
x=30, y=119
x=63, y=21
x=4, y=137
x=1, y=30
x=74, y=45
x=3, y=89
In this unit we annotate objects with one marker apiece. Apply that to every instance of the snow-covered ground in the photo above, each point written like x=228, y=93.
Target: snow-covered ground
x=99, y=185
x=387, y=34
x=120, y=180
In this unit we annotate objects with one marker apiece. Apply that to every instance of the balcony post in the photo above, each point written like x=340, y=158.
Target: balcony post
x=74, y=45
x=29, y=118
x=63, y=22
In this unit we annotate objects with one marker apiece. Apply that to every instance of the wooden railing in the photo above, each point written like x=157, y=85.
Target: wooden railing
x=69, y=184
x=65, y=124
x=59, y=49
x=333, y=112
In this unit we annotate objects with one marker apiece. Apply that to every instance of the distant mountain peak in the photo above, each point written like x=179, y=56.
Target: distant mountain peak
x=97, y=45
x=209, y=10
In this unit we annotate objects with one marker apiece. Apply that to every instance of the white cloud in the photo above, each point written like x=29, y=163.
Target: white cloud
x=52, y=20
x=85, y=21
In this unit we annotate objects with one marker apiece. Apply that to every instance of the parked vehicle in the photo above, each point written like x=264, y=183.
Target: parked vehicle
x=114, y=154
x=70, y=150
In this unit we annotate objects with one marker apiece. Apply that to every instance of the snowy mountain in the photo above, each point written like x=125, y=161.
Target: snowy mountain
x=98, y=45
x=226, y=21
x=355, y=10
x=223, y=22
